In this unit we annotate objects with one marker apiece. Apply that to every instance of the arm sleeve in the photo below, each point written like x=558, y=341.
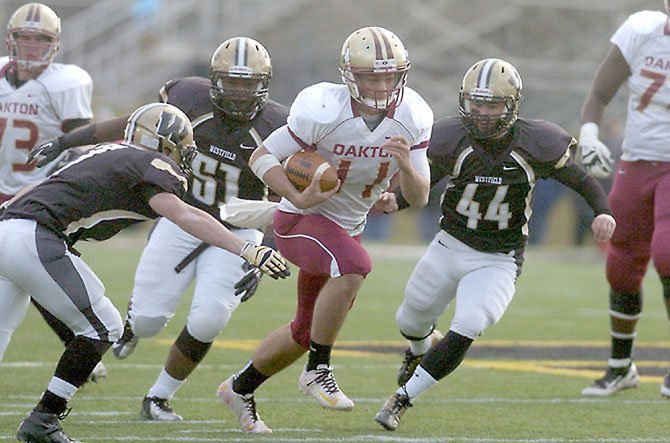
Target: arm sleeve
x=105, y=131
x=584, y=184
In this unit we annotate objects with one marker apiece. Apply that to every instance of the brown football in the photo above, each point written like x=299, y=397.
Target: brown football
x=301, y=167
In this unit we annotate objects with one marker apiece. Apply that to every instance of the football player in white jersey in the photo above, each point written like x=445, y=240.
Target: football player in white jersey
x=372, y=129
x=640, y=194
x=493, y=160
x=39, y=100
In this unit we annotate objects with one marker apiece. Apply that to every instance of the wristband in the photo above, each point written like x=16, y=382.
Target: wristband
x=588, y=130
x=263, y=164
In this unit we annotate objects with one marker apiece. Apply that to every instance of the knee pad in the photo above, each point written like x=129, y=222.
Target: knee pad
x=628, y=303
x=147, y=327
x=110, y=318
x=471, y=325
x=206, y=323
x=413, y=324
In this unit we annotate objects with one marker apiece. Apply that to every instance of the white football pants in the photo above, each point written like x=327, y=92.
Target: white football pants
x=35, y=262
x=158, y=288
x=482, y=283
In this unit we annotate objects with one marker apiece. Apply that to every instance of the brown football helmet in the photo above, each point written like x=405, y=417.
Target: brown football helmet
x=33, y=35
x=491, y=80
x=240, y=72
x=374, y=50
x=164, y=128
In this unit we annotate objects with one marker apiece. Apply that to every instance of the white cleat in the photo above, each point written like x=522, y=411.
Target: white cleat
x=158, y=409
x=244, y=408
x=321, y=385
x=613, y=381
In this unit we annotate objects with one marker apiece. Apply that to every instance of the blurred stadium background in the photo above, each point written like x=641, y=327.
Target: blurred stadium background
x=130, y=47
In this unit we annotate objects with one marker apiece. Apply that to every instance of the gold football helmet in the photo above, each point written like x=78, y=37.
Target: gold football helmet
x=240, y=72
x=490, y=81
x=164, y=128
x=374, y=50
x=33, y=34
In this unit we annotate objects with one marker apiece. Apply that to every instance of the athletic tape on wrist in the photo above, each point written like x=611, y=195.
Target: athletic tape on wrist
x=263, y=164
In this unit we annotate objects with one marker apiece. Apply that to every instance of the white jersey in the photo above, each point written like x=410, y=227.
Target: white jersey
x=33, y=114
x=322, y=119
x=644, y=41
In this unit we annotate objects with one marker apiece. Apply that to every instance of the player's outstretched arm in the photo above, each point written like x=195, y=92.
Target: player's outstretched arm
x=205, y=227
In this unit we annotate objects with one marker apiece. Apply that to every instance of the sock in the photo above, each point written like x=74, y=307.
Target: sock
x=51, y=404
x=318, y=355
x=446, y=355
x=248, y=380
x=165, y=386
x=420, y=347
x=421, y=380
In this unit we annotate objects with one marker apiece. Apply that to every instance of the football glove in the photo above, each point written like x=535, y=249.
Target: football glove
x=248, y=284
x=268, y=260
x=596, y=158
x=46, y=152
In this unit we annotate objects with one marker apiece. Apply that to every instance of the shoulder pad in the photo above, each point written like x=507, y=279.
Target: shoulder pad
x=190, y=94
x=420, y=112
x=645, y=22
x=321, y=103
x=543, y=140
x=59, y=77
x=446, y=135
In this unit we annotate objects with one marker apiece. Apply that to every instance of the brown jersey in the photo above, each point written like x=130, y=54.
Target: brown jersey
x=487, y=201
x=100, y=193
x=221, y=167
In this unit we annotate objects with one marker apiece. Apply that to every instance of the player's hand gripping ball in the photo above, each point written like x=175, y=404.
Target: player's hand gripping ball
x=302, y=166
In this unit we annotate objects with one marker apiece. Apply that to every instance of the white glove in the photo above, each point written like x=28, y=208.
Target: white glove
x=268, y=260
x=596, y=158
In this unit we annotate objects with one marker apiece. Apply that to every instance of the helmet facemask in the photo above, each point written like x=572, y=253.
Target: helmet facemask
x=240, y=72
x=163, y=128
x=374, y=51
x=489, y=82
x=33, y=35
x=239, y=96
x=373, y=98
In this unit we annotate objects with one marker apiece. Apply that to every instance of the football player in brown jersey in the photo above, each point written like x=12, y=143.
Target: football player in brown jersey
x=105, y=190
x=41, y=100
x=493, y=160
x=231, y=114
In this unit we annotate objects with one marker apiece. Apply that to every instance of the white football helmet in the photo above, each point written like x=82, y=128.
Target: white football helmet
x=240, y=72
x=374, y=50
x=164, y=128
x=491, y=80
x=33, y=35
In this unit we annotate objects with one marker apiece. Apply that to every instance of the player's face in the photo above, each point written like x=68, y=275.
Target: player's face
x=378, y=87
x=488, y=110
x=33, y=46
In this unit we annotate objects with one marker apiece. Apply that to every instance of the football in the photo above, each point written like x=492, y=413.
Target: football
x=301, y=167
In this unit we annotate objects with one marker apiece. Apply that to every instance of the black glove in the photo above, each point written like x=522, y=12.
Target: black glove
x=249, y=282
x=46, y=152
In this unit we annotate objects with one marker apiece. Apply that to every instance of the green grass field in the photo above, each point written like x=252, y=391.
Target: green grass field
x=521, y=381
